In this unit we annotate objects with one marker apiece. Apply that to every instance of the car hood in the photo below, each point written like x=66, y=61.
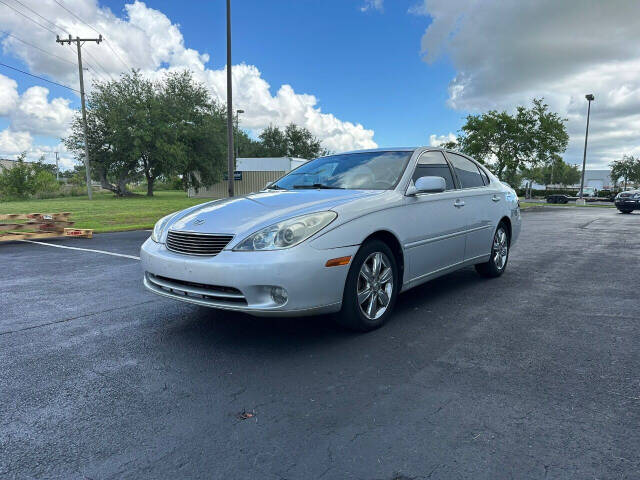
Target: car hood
x=241, y=216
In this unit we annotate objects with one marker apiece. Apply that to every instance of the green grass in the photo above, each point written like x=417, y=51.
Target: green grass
x=106, y=213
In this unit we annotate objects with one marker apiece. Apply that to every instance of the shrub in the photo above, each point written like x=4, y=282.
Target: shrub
x=17, y=182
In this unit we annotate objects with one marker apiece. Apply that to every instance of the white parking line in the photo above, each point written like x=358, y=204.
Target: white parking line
x=82, y=249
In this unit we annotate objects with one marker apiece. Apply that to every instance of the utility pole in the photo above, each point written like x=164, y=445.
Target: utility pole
x=57, y=168
x=79, y=41
x=238, y=112
x=230, y=160
x=589, y=98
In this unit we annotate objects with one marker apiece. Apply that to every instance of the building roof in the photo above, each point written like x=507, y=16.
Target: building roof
x=268, y=164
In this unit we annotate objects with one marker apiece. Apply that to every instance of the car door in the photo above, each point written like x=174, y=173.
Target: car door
x=435, y=221
x=480, y=199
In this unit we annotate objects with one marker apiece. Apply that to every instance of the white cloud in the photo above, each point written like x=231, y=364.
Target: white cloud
x=147, y=39
x=8, y=95
x=372, y=5
x=507, y=52
x=13, y=143
x=438, y=140
x=32, y=112
x=35, y=113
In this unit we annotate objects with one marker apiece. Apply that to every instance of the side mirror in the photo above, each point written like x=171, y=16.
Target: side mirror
x=427, y=185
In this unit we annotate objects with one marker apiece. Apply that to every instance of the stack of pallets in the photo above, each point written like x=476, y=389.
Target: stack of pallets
x=33, y=226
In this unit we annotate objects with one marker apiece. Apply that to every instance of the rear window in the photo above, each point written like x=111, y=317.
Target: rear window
x=468, y=173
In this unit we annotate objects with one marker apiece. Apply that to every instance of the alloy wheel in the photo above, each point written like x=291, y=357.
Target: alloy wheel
x=375, y=285
x=500, y=248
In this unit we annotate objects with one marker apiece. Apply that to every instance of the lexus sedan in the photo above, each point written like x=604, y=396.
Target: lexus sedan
x=340, y=234
x=627, y=202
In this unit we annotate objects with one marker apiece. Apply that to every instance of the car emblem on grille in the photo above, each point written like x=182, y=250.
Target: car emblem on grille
x=198, y=221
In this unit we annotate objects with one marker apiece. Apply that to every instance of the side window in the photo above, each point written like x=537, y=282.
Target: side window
x=433, y=164
x=467, y=171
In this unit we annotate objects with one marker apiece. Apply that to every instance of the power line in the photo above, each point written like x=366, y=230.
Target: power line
x=76, y=16
x=27, y=17
x=126, y=65
x=38, y=48
x=95, y=60
x=41, y=78
x=107, y=43
x=43, y=18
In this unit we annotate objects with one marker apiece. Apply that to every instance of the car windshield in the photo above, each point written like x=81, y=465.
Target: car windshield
x=353, y=171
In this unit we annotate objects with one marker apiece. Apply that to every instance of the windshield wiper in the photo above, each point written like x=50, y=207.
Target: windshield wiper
x=318, y=185
x=275, y=187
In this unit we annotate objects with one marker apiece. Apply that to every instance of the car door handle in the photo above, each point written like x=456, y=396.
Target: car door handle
x=495, y=198
x=458, y=203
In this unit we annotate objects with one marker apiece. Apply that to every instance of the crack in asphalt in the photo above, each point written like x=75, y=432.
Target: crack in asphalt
x=63, y=320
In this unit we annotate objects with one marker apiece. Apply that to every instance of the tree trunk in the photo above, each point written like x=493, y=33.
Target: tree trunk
x=150, y=181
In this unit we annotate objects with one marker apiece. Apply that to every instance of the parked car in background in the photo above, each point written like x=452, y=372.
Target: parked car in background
x=344, y=233
x=558, y=198
x=628, y=201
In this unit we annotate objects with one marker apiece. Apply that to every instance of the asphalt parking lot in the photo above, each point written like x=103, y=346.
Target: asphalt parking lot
x=532, y=375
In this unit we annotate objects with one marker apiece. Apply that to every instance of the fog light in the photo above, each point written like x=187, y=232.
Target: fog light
x=279, y=295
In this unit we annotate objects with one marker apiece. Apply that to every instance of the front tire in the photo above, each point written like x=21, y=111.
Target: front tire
x=371, y=288
x=624, y=210
x=499, y=254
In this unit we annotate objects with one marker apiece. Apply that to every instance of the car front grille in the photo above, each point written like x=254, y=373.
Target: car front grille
x=197, y=243
x=197, y=292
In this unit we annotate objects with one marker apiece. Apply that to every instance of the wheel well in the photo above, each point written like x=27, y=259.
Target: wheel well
x=507, y=222
x=391, y=240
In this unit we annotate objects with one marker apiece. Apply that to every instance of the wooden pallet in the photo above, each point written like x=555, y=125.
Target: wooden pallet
x=40, y=225
x=36, y=216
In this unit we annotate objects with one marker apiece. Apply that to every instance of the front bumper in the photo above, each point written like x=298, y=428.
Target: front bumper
x=627, y=203
x=242, y=281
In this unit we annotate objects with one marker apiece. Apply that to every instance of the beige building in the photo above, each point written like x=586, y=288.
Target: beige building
x=251, y=175
x=5, y=163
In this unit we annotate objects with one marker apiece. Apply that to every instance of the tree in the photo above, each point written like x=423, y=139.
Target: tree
x=506, y=143
x=141, y=129
x=293, y=141
x=555, y=172
x=17, y=181
x=274, y=142
x=27, y=178
x=627, y=168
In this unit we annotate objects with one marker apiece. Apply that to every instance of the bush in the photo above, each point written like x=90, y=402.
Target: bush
x=27, y=179
x=45, y=185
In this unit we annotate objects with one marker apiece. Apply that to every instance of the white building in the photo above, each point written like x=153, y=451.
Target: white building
x=598, y=179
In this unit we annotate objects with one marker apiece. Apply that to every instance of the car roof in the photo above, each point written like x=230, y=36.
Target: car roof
x=391, y=149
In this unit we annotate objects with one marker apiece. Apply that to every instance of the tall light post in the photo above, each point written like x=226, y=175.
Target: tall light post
x=589, y=98
x=230, y=159
x=238, y=112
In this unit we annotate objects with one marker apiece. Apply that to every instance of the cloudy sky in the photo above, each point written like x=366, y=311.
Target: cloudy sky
x=357, y=73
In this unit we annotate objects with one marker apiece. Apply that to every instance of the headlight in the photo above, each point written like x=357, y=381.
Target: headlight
x=288, y=233
x=158, y=228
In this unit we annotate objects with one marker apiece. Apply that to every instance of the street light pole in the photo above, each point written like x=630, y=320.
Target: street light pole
x=589, y=98
x=238, y=112
x=230, y=159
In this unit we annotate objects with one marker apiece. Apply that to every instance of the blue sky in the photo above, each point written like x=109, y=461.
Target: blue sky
x=357, y=73
x=363, y=66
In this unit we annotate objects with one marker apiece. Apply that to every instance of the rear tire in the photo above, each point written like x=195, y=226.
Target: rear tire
x=371, y=288
x=499, y=254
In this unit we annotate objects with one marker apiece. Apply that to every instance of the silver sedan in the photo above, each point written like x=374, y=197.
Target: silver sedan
x=340, y=234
